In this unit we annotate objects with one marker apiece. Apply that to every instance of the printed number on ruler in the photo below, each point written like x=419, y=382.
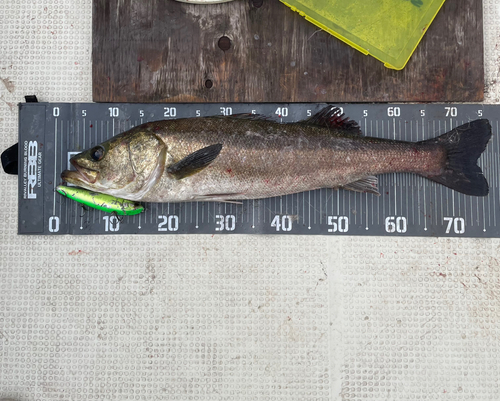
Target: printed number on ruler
x=225, y=111
x=168, y=223
x=283, y=223
x=111, y=223
x=451, y=111
x=393, y=111
x=338, y=223
x=53, y=224
x=282, y=111
x=225, y=223
x=169, y=112
x=458, y=224
x=395, y=224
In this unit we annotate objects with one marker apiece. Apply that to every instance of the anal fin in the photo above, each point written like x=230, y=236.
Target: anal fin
x=367, y=184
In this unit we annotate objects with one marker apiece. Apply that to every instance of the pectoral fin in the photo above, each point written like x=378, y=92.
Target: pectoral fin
x=195, y=162
x=367, y=184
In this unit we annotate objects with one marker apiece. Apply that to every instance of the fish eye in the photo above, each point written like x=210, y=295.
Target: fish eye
x=97, y=153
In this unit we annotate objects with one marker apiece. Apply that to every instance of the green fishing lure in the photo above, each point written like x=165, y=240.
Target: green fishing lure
x=96, y=200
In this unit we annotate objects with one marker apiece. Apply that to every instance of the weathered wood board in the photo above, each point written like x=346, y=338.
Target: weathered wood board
x=166, y=51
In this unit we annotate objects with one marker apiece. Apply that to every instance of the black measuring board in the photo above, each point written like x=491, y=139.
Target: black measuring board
x=409, y=205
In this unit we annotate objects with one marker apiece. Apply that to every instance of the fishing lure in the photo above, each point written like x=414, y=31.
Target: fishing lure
x=96, y=200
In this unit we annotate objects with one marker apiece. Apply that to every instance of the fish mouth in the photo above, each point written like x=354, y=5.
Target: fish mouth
x=82, y=175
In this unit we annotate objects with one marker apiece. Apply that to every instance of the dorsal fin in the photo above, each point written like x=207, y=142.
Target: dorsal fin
x=333, y=117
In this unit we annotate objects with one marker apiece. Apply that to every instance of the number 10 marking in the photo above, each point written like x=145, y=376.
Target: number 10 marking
x=111, y=223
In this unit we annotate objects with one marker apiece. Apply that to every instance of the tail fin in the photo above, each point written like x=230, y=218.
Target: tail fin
x=464, y=145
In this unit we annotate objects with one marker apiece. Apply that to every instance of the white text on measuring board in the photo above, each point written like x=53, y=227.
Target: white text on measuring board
x=32, y=169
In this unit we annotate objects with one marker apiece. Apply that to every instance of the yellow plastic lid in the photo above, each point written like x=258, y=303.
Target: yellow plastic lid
x=388, y=30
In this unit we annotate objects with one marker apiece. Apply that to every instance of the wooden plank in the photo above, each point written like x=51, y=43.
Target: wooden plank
x=166, y=51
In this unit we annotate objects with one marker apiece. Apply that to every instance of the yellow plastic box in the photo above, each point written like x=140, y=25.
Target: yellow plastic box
x=388, y=30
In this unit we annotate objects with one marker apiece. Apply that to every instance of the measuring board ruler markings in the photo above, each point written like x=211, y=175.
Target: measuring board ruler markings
x=409, y=205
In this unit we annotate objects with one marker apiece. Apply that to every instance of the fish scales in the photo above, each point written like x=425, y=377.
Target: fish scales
x=261, y=159
x=247, y=157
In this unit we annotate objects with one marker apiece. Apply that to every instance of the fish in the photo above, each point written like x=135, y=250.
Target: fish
x=232, y=158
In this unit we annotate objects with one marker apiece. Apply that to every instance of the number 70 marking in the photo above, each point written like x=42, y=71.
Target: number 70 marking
x=458, y=225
